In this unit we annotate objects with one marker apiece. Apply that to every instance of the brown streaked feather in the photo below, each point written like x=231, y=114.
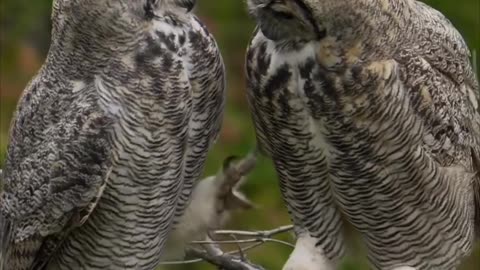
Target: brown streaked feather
x=51, y=243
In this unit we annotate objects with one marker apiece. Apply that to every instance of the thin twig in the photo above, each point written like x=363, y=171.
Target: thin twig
x=259, y=236
x=268, y=233
x=212, y=249
x=245, y=249
x=224, y=261
x=192, y=261
x=241, y=241
x=240, y=250
x=280, y=242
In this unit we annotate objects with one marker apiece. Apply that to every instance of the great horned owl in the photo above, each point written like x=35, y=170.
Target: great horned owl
x=369, y=110
x=110, y=136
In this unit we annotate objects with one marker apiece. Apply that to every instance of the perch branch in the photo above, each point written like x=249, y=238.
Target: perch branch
x=230, y=260
x=224, y=260
x=268, y=233
x=209, y=250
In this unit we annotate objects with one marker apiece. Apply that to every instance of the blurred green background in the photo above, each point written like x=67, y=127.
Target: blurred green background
x=24, y=41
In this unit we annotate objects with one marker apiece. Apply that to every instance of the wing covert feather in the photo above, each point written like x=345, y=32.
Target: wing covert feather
x=50, y=186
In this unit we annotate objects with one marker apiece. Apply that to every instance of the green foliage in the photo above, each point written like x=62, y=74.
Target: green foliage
x=25, y=21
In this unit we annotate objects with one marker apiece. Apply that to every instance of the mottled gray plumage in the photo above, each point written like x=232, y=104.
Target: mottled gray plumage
x=369, y=109
x=110, y=136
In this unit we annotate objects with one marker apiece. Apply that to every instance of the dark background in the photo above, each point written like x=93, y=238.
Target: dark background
x=24, y=42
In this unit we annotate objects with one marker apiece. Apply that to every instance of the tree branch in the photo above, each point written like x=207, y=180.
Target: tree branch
x=223, y=261
x=234, y=259
x=209, y=250
x=263, y=234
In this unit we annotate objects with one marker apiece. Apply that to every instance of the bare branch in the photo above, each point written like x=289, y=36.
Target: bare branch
x=243, y=241
x=268, y=233
x=234, y=259
x=224, y=261
x=192, y=261
x=240, y=250
x=211, y=248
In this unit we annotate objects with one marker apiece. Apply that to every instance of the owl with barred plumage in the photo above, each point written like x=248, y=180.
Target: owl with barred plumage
x=370, y=112
x=110, y=136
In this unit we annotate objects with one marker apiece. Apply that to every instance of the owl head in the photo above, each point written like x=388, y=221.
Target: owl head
x=88, y=32
x=110, y=18
x=286, y=19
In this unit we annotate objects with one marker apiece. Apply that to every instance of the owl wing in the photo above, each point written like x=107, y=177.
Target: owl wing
x=455, y=92
x=434, y=97
x=436, y=107
x=53, y=188
x=207, y=79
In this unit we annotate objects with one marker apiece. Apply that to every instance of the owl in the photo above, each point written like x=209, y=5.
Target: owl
x=110, y=136
x=369, y=110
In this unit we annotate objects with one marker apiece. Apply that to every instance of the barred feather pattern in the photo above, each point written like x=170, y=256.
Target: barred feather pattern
x=373, y=122
x=111, y=135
